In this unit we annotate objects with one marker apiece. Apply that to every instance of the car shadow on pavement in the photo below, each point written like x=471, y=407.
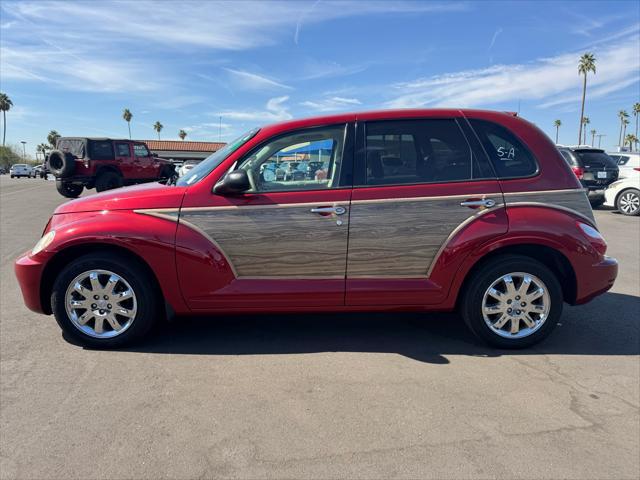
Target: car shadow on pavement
x=607, y=326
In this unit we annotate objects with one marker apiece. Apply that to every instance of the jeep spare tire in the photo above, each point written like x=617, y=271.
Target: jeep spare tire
x=108, y=180
x=61, y=164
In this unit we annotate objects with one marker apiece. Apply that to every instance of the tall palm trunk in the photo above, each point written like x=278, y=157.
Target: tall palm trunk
x=557, y=131
x=129, y=125
x=584, y=94
x=158, y=135
x=620, y=137
x=4, y=126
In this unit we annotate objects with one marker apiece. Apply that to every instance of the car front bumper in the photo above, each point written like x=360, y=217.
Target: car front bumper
x=29, y=274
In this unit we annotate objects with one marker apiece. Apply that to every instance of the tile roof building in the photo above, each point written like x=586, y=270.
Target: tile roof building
x=180, y=151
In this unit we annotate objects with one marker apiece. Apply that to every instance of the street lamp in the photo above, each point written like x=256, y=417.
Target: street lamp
x=24, y=150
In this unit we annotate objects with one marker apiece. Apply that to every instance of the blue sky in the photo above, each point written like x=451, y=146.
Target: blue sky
x=74, y=66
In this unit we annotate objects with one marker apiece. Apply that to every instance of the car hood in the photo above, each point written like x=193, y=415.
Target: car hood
x=147, y=195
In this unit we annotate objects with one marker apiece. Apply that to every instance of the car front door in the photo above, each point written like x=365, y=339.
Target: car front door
x=144, y=161
x=284, y=241
x=418, y=183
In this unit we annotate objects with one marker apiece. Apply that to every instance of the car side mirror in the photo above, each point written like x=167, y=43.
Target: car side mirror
x=233, y=183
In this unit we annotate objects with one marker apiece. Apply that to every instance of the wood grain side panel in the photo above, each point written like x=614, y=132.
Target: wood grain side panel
x=401, y=239
x=576, y=200
x=277, y=242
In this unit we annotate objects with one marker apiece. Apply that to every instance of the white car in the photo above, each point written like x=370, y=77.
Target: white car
x=628, y=163
x=624, y=195
x=186, y=166
x=21, y=170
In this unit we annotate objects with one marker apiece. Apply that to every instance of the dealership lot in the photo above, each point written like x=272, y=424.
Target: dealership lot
x=319, y=396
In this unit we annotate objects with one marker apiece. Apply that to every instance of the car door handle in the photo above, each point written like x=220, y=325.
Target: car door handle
x=329, y=210
x=485, y=202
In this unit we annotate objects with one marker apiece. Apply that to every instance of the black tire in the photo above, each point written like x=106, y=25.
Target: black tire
x=68, y=190
x=626, y=200
x=108, y=181
x=137, y=277
x=471, y=304
x=12, y=176
x=61, y=164
x=168, y=174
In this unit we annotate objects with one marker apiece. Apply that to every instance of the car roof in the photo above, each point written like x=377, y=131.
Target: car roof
x=101, y=139
x=404, y=113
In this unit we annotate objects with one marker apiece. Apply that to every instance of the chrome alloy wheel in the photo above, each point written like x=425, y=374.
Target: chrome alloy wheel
x=629, y=202
x=516, y=305
x=101, y=303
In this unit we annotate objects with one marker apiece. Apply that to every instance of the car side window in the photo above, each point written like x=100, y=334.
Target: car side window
x=302, y=160
x=122, y=149
x=622, y=160
x=101, y=150
x=509, y=156
x=419, y=151
x=140, y=150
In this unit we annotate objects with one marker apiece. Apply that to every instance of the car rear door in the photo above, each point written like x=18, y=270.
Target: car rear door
x=284, y=242
x=418, y=182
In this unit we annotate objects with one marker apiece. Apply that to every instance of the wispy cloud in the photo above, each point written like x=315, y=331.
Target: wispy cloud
x=253, y=81
x=544, y=79
x=275, y=111
x=331, y=104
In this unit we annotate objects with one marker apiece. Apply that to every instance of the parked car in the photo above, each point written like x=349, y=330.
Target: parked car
x=593, y=167
x=104, y=163
x=479, y=213
x=21, y=170
x=186, y=166
x=628, y=163
x=624, y=195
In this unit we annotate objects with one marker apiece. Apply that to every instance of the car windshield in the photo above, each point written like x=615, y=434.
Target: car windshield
x=206, y=166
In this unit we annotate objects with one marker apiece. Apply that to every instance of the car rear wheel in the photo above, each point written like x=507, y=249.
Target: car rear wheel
x=68, y=190
x=108, y=181
x=628, y=202
x=104, y=301
x=512, y=301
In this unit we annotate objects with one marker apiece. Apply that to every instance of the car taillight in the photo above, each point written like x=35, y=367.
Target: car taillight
x=637, y=169
x=596, y=240
x=579, y=171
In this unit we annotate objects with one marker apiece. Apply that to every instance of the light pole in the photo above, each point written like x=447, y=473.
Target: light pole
x=600, y=135
x=24, y=151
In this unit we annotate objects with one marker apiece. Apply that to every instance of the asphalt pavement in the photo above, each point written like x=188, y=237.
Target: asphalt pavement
x=318, y=396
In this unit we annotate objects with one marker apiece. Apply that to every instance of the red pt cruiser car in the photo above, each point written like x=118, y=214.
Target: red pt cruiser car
x=423, y=210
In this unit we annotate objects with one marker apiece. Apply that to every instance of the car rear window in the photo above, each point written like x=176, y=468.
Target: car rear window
x=510, y=158
x=597, y=159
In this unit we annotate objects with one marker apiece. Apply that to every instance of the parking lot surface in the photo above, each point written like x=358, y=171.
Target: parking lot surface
x=318, y=396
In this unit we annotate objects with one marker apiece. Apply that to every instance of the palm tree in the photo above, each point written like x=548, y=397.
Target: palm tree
x=42, y=148
x=5, y=106
x=587, y=64
x=625, y=122
x=182, y=134
x=585, y=122
x=52, y=138
x=622, y=115
x=158, y=128
x=630, y=139
x=636, y=113
x=593, y=137
x=557, y=124
x=127, y=115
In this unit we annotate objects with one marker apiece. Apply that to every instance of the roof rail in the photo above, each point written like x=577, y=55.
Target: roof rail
x=513, y=114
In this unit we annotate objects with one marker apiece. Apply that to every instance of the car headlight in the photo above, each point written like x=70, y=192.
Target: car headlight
x=44, y=242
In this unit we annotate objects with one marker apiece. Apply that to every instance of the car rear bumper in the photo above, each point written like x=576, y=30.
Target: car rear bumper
x=599, y=279
x=29, y=274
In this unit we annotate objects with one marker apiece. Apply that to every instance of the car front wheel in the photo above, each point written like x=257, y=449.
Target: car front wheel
x=512, y=301
x=628, y=202
x=104, y=301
